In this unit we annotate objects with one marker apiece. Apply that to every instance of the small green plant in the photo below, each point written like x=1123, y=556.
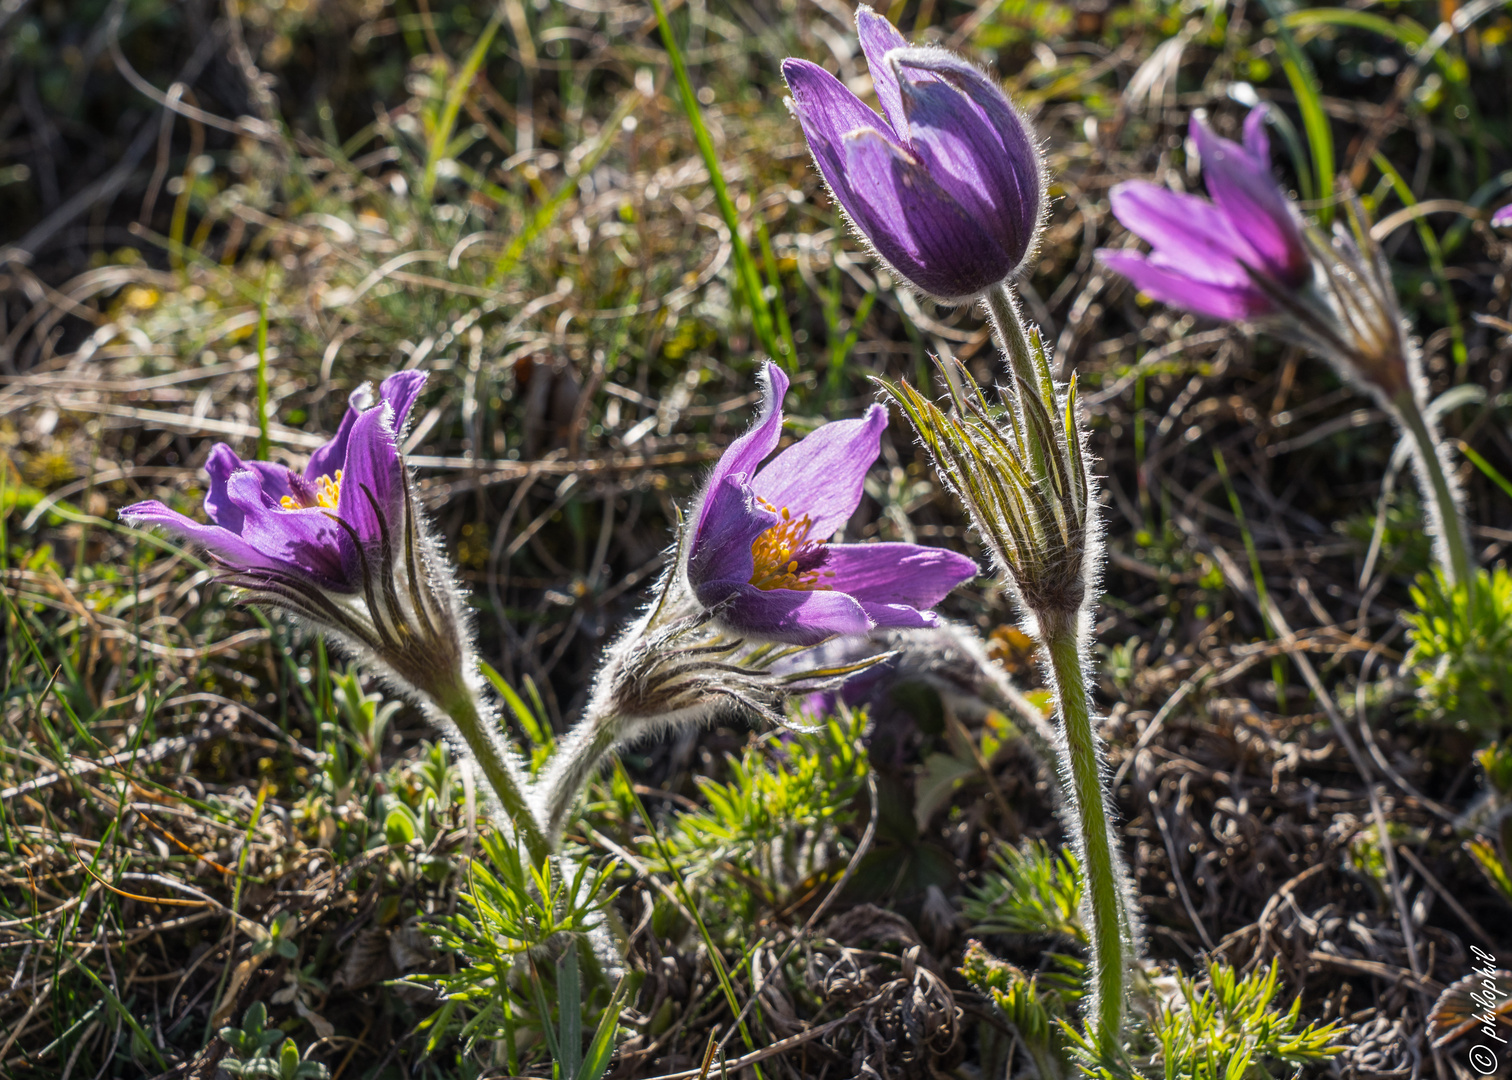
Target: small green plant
x=1032, y=891
x=1037, y=1005
x=1492, y=861
x=1496, y=762
x=1490, y=852
x=1228, y=1029
x=773, y=828
x=421, y=809
x=252, y=1039
x=520, y=931
x=252, y=1051
x=279, y=938
x=367, y=716
x=1461, y=653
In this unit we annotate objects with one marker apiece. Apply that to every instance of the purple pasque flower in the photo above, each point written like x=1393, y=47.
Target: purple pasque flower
x=758, y=554
x=1227, y=257
x=337, y=544
x=948, y=186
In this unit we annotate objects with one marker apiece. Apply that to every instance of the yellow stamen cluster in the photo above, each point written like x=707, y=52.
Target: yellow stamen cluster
x=327, y=494
x=776, y=553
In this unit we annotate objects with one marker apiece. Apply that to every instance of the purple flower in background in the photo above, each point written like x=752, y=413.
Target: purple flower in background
x=1229, y=257
x=948, y=187
x=1502, y=218
x=758, y=555
x=266, y=519
x=339, y=543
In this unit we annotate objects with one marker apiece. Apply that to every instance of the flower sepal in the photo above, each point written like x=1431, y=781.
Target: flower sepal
x=1021, y=472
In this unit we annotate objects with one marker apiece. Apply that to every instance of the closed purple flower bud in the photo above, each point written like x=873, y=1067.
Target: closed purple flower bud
x=338, y=544
x=759, y=557
x=1226, y=257
x=948, y=187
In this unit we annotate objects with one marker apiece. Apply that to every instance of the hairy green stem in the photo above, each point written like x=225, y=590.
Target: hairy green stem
x=1449, y=518
x=1082, y=761
x=461, y=706
x=1002, y=309
x=576, y=761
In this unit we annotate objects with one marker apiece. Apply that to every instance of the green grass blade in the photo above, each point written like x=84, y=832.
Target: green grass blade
x=1278, y=669
x=553, y=1046
x=1430, y=244
x=262, y=376
x=789, y=355
x=1491, y=189
x=569, y=1013
x=1297, y=149
x=1491, y=471
x=1411, y=35
x=125, y=1014
x=716, y=960
x=841, y=346
x=548, y=212
x=456, y=93
x=601, y=1050
x=535, y=730
x=1304, y=83
x=745, y=264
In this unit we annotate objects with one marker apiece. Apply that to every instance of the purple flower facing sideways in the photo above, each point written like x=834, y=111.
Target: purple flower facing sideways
x=759, y=555
x=338, y=543
x=1226, y=258
x=266, y=519
x=948, y=186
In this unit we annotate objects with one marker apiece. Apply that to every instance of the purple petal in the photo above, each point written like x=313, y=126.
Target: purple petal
x=828, y=113
x=823, y=474
x=277, y=481
x=976, y=136
x=224, y=544
x=898, y=616
x=221, y=463
x=906, y=575
x=1257, y=208
x=307, y=542
x=1256, y=141
x=914, y=224
x=400, y=391
x=1171, y=286
x=963, y=155
x=720, y=555
x=825, y=106
x=1502, y=218
x=1187, y=230
x=372, y=466
x=790, y=615
x=878, y=38
x=326, y=460
x=748, y=451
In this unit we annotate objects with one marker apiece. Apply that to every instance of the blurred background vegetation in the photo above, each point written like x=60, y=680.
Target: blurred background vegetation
x=218, y=217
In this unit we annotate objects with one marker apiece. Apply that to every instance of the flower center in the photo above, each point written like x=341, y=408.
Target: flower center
x=326, y=493
x=785, y=557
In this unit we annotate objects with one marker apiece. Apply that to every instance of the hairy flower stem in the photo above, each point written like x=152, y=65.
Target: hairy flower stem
x=1448, y=520
x=1002, y=309
x=1082, y=761
x=576, y=761
x=461, y=707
